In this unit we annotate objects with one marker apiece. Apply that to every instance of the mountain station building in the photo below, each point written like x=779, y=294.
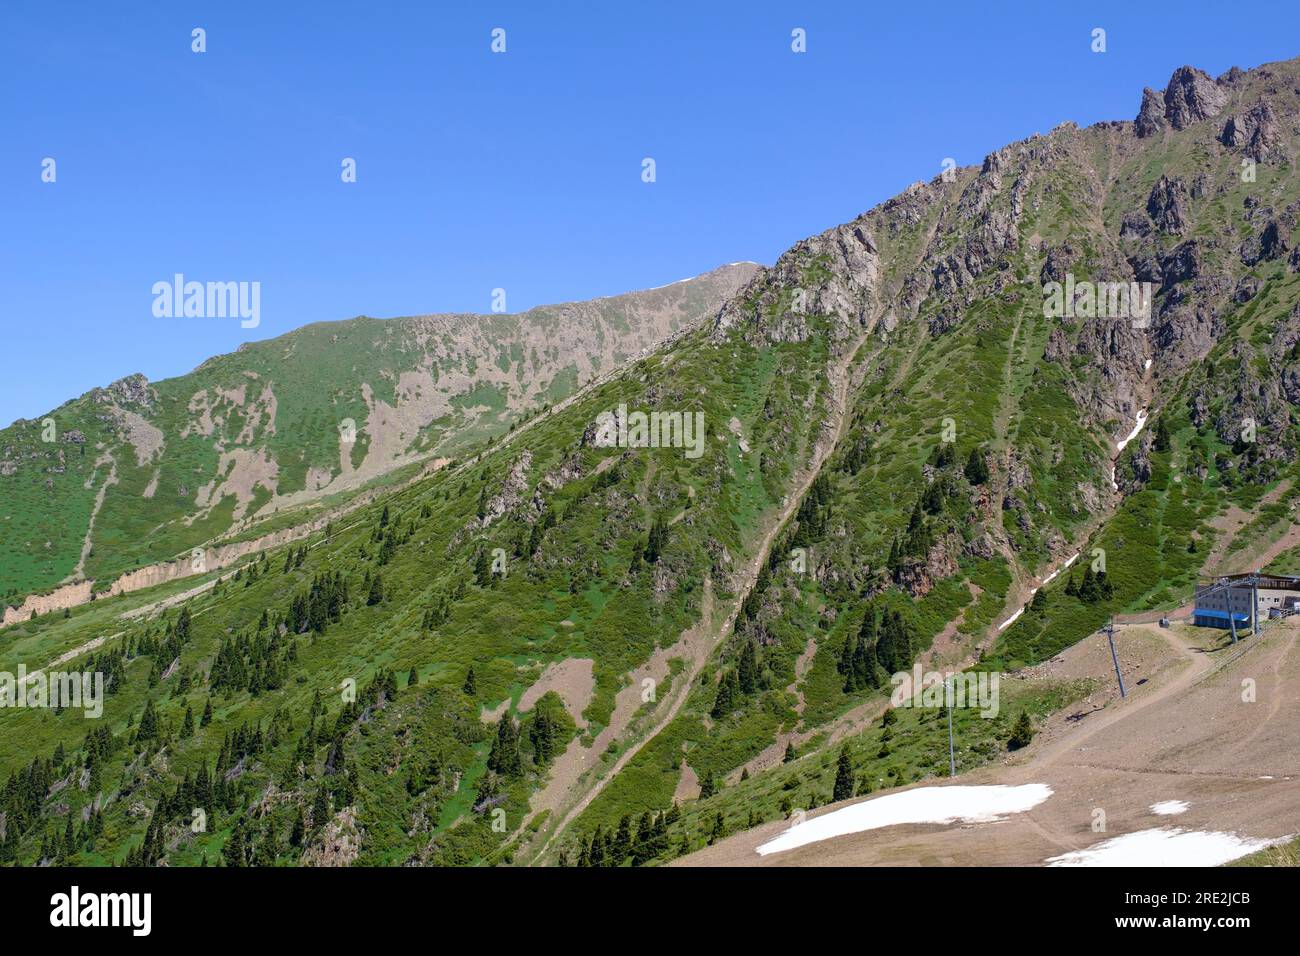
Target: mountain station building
x=1238, y=598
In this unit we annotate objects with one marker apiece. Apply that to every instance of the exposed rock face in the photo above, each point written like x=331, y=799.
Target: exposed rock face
x=1192, y=96
x=1167, y=206
x=1135, y=226
x=511, y=494
x=1059, y=261
x=832, y=275
x=1151, y=116
x=1269, y=243
x=1182, y=264
x=132, y=390
x=1256, y=132
x=918, y=578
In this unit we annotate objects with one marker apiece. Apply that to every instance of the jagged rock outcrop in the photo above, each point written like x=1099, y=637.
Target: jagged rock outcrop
x=1192, y=96
x=1151, y=115
x=1256, y=132
x=1167, y=206
x=1269, y=243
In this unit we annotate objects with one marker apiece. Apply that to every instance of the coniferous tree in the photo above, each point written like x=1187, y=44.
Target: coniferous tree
x=1088, y=588
x=747, y=671
x=376, y=594
x=655, y=542
x=504, y=756
x=482, y=569
x=707, y=786
x=470, y=687
x=1162, y=437
x=977, y=469
x=843, y=777
x=1022, y=733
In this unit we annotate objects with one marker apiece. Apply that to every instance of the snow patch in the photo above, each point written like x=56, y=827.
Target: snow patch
x=1011, y=620
x=968, y=804
x=1141, y=420
x=1119, y=447
x=1169, y=808
x=1166, y=846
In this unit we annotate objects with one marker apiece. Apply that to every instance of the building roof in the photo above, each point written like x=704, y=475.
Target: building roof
x=1239, y=617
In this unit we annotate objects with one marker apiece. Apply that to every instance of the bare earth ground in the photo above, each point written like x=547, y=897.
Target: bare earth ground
x=572, y=679
x=1185, y=733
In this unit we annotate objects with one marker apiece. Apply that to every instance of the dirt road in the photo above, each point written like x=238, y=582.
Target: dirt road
x=1212, y=728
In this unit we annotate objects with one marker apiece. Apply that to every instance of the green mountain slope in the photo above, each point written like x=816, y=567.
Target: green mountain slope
x=138, y=472
x=533, y=655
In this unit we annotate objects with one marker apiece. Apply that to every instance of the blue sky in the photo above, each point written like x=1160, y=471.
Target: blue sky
x=477, y=170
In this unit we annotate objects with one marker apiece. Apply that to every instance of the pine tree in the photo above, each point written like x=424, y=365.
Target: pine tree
x=977, y=470
x=1088, y=589
x=1162, y=437
x=470, y=687
x=376, y=594
x=707, y=786
x=789, y=752
x=843, y=777
x=504, y=757
x=724, y=700
x=621, y=845
x=655, y=542
x=187, y=726
x=482, y=569
x=1022, y=733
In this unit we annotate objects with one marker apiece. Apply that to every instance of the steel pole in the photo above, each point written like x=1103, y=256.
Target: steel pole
x=952, y=759
x=1110, y=635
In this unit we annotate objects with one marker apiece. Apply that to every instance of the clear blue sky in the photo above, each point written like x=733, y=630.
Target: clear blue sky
x=478, y=171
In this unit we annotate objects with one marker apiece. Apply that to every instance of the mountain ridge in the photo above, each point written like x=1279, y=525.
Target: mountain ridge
x=905, y=449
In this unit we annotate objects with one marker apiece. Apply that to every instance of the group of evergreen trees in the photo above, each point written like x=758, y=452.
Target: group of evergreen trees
x=738, y=683
x=256, y=664
x=544, y=734
x=1093, y=588
x=639, y=842
x=857, y=663
x=319, y=606
x=883, y=646
x=814, y=512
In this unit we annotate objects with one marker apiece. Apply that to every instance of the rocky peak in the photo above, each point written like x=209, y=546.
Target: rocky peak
x=1190, y=97
x=1151, y=116
x=131, y=390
